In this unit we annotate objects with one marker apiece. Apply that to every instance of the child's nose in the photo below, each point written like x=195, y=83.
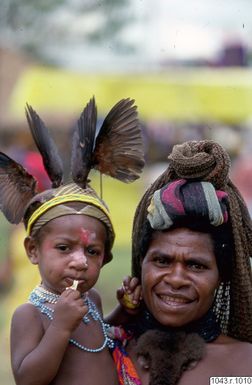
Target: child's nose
x=79, y=260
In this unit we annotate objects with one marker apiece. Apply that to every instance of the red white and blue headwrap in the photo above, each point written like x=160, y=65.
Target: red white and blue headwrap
x=182, y=198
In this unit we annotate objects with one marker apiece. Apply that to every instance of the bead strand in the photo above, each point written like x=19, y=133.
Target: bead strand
x=39, y=296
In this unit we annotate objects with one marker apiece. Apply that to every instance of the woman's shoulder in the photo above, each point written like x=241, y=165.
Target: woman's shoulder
x=233, y=343
x=234, y=351
x=224, y=357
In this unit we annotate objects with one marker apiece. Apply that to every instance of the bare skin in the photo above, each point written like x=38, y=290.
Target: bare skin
x=71, y=248
x=179, y=278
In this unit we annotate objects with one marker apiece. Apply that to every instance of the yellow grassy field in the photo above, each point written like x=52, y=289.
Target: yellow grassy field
x=190, y=94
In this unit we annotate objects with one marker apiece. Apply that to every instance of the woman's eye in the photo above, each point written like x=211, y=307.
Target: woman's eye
x=160, y=260
x=196, y=265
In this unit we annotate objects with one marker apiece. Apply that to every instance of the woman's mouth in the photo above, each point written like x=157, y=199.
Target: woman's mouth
x=175, y=301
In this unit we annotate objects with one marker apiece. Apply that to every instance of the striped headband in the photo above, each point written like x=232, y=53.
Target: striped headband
x=57, y=202
x=60, y=200
x=181, y=198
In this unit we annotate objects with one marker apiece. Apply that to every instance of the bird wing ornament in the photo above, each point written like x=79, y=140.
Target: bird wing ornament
x=46, y=146
x=83, y=144
x=17, y=187
x=117, y=150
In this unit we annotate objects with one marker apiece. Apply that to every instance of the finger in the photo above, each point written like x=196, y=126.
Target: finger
x=79, y=301
x=65, y=293
x=82, y=307
x=70, y=294
x=134, y=282
x=70, y=288
x=84, y=310
x=137, y=295
x=126, y=282
x=120, y=293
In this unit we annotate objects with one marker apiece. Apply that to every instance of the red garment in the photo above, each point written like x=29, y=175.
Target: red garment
x=126, y=371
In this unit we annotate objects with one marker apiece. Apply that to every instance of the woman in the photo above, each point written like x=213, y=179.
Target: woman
x=191, y=252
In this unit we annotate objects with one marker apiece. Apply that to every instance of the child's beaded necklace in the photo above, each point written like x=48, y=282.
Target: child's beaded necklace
x=39, y=296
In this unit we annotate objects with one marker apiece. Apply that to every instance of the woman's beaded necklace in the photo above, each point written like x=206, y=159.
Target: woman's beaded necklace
x=206, y=327
x=40, y=296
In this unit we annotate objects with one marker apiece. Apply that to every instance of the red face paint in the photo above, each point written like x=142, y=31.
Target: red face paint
x=85, y=236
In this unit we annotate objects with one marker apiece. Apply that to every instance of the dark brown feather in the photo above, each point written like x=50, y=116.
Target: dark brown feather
x=83, y=144
x=119, y=147
x=46, y=146
x=17, y=187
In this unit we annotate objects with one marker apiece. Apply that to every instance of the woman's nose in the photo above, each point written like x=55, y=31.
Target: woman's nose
x=79, y=260
x=177, y=277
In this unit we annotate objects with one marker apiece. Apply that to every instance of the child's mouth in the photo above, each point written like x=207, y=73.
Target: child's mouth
x=74, y=283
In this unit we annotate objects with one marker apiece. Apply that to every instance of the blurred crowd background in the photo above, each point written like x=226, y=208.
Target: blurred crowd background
x=187, y=64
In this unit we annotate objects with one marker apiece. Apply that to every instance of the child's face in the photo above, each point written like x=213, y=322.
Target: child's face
x=71, y=248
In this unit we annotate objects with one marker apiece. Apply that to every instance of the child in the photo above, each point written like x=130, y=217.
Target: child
x=67, y=246
x=59, y=336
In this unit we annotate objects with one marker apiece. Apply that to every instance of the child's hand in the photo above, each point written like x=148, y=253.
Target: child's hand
x=129, y=295
x=69, y=310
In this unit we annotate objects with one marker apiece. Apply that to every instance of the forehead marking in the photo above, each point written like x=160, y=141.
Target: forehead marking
x=85, y=236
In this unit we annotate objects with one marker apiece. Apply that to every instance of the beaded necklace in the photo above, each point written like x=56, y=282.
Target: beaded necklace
x=40, y=296
x=207, y=327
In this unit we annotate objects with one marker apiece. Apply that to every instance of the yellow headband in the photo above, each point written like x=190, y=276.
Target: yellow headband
x=63, y=199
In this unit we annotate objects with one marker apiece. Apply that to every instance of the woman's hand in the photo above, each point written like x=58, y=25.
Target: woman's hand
x=129, y=294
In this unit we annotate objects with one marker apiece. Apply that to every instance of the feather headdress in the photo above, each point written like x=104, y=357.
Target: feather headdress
x=117, y=150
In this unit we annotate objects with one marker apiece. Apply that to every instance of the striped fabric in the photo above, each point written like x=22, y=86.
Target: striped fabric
x=183, y=198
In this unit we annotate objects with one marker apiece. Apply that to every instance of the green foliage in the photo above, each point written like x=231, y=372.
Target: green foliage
x=36, y=25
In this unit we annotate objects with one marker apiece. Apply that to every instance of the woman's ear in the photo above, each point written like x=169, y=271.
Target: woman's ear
x=31, y=249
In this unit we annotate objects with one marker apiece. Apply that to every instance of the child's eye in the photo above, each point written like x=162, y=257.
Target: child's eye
x=92, y=251
x=63, y=247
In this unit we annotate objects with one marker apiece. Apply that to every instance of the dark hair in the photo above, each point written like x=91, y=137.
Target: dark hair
x=221, y=237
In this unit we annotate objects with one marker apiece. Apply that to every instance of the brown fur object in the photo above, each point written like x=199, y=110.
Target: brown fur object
x=168, y=355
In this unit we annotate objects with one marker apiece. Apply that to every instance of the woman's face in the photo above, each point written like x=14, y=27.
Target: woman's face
x=179, y=276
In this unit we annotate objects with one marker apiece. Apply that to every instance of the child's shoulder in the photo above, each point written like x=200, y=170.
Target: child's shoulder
x=95, y=297
x=26, y=313
x=26, y=325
